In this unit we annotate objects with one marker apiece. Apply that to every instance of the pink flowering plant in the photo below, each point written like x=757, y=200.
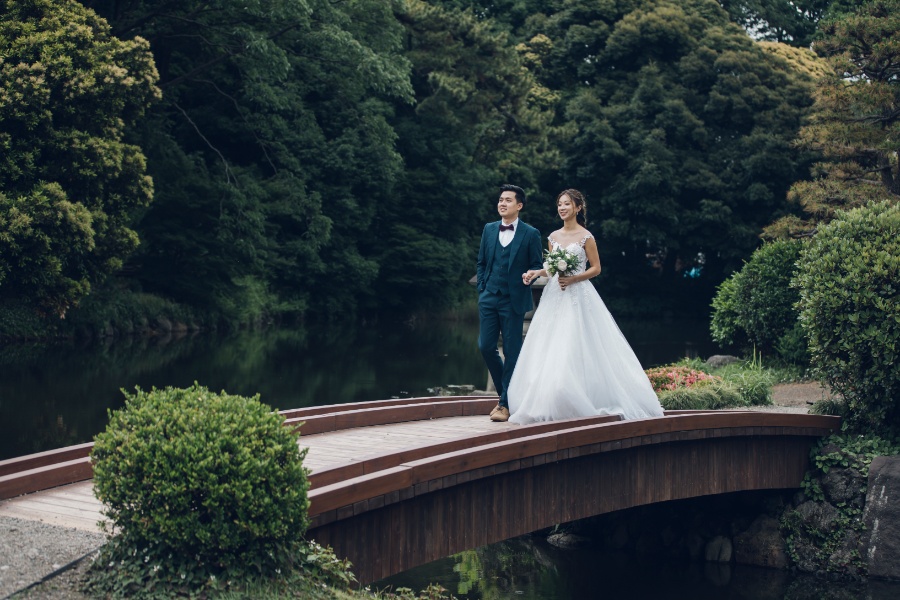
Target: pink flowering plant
x=672, y=377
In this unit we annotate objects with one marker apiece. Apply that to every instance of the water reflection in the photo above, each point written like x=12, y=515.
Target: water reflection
x=57, y=395
x=528, y=568
x=54, y=395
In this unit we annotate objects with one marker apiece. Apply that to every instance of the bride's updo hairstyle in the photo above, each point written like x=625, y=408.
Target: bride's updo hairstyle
x=578, y=198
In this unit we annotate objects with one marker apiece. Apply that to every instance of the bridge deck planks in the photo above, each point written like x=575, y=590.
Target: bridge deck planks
x=75, y=506
x=340, y=447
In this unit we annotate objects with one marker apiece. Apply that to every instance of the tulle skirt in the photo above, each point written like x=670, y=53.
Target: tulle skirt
x=575, y=362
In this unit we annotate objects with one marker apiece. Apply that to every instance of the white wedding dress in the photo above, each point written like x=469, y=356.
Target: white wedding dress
x=575, y=362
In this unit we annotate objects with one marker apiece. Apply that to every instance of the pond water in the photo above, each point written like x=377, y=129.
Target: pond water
x=528, y=568
x=55, y=395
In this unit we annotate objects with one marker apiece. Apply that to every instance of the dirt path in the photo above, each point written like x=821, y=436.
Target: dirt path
x=794, y=397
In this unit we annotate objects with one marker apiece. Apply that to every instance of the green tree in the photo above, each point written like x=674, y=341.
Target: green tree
x=272, y=149
x=855, y=120
x=791, y=22
x=679, y=127
x=70, y=182
x=479, y=119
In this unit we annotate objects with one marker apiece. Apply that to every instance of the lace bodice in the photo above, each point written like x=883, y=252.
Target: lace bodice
x=576, y=248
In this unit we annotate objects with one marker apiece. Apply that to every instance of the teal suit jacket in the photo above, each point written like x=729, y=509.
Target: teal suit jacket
x=525, y=253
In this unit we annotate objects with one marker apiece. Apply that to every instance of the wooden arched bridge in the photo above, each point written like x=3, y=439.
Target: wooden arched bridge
x=398, y=483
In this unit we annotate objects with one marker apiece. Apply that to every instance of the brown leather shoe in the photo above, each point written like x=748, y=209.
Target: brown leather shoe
x=501, y=414
x=495, y=409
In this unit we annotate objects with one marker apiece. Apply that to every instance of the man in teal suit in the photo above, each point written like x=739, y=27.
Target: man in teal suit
x=509, y=247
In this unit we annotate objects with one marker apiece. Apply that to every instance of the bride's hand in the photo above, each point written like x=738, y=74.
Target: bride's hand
x=529, y=276
x=565, y=282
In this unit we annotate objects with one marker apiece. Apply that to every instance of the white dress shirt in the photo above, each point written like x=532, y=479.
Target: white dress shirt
x=507, y=236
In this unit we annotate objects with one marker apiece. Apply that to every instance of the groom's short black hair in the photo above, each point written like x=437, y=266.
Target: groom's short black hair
x=520, y=193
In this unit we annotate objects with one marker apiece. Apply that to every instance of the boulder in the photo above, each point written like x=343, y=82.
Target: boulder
x=720, y=360
x=819, y=516
x=761, y=545
x=718, y=549
x=844, y=485
x=568, y=541
x=882, y=518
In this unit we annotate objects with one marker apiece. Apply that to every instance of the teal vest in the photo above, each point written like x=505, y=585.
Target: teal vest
x=498, y=280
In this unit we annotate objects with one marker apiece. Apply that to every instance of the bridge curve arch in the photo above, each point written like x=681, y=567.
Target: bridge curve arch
x=407, y=509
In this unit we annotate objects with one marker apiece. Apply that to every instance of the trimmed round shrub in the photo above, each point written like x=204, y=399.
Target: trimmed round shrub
x=765, y=298
x=212, y=477
x=757, y=304
x=849, y=282
x=725, y=325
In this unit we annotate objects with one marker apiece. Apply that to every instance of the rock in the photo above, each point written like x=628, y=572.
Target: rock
x=718, y=549
x=569, y=541
x=761, y=545
x=819, y=516
x=882, y=518
x=162, y=324
x=620, y=537
x=806, y=555
x=668, y=536
x=718, y=574
x=647, y=544
x=461, y=390
x=720, y=360
x=694, y=545
x=844, y=485
x=845, y=560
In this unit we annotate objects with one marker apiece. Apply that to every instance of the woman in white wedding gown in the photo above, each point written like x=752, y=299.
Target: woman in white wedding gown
x=575, y=362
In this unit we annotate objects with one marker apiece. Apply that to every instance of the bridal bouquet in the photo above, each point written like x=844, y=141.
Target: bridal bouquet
x=560, y=261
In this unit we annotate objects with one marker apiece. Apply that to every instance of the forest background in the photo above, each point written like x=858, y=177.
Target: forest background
x=240, y=161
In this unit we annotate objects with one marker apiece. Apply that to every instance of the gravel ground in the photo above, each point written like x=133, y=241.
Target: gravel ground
x=31, y=551
x=34, y=556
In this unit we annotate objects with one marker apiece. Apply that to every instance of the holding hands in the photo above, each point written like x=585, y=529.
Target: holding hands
x=531, y=275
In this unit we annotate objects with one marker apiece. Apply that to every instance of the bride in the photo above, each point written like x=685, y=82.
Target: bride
x=575, y=362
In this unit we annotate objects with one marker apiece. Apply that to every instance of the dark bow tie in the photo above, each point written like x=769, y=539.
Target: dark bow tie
x=506, y=227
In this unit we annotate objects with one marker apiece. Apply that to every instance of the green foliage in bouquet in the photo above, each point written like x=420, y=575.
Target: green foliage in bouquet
x=199, y=488
x=848, y=305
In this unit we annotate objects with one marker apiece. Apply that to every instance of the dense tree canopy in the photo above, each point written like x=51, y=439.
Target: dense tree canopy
x=677, y=125
x=271, y=148
x=856, y=119
x=479, y=119
x=69, y=180
x=319, y=158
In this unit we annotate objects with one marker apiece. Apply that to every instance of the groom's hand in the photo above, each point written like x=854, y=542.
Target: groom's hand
x=529, y=276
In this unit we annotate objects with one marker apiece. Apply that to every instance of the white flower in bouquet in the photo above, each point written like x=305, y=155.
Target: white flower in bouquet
x=560, y=262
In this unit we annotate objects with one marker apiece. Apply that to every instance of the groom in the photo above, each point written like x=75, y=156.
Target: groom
x=509, y=247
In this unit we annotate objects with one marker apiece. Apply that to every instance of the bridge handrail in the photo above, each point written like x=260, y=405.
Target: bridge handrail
x=48, y=469
x=374, y=487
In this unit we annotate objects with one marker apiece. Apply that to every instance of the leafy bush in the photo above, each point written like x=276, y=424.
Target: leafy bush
x=724, y=323
x=200, y=488
x=756, y=305
x=848, y=283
